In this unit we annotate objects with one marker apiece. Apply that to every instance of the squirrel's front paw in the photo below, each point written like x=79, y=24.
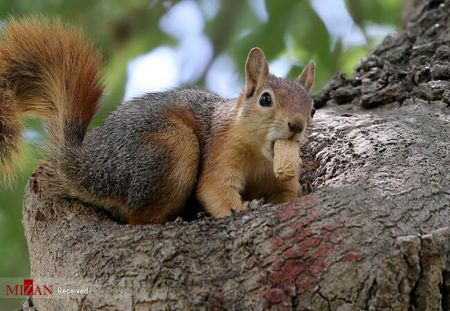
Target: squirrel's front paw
x=241, y=208
x=227, y=210
x=222, y=213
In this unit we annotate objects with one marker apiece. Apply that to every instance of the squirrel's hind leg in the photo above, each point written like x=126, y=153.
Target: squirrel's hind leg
x=180, y=145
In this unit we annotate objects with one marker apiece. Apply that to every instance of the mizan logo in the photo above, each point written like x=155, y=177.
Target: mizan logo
x=28, y=288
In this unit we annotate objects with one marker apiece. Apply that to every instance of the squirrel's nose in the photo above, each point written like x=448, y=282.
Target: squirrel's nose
x=295, y=126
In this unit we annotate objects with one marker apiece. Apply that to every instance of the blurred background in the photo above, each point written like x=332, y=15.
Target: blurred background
x=151, y=45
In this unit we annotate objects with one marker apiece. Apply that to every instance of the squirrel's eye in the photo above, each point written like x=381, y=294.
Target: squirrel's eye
x=265, y=100
x=313, y=111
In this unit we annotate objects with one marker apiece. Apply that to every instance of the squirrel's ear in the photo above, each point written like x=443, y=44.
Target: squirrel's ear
x=307, y=76
x=256, y=70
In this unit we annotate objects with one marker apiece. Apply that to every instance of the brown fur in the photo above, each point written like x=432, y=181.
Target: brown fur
x=35, y=80
x=236, y=168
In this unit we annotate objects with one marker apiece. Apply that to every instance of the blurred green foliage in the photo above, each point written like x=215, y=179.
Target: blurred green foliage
x=123, y=30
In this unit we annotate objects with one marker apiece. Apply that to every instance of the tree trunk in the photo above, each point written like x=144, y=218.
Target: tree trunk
x=372, y=233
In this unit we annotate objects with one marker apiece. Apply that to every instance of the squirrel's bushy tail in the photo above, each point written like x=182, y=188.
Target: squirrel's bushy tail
x=50, y=71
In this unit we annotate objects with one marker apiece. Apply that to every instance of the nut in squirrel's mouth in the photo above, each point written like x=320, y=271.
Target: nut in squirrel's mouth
x=272, y=144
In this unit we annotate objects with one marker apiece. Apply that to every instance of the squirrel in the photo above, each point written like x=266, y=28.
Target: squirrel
x=155, y=151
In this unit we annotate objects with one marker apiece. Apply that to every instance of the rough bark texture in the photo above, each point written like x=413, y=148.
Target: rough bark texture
x=372, y=233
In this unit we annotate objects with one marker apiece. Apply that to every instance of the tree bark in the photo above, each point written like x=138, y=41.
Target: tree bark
x=371, y=234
